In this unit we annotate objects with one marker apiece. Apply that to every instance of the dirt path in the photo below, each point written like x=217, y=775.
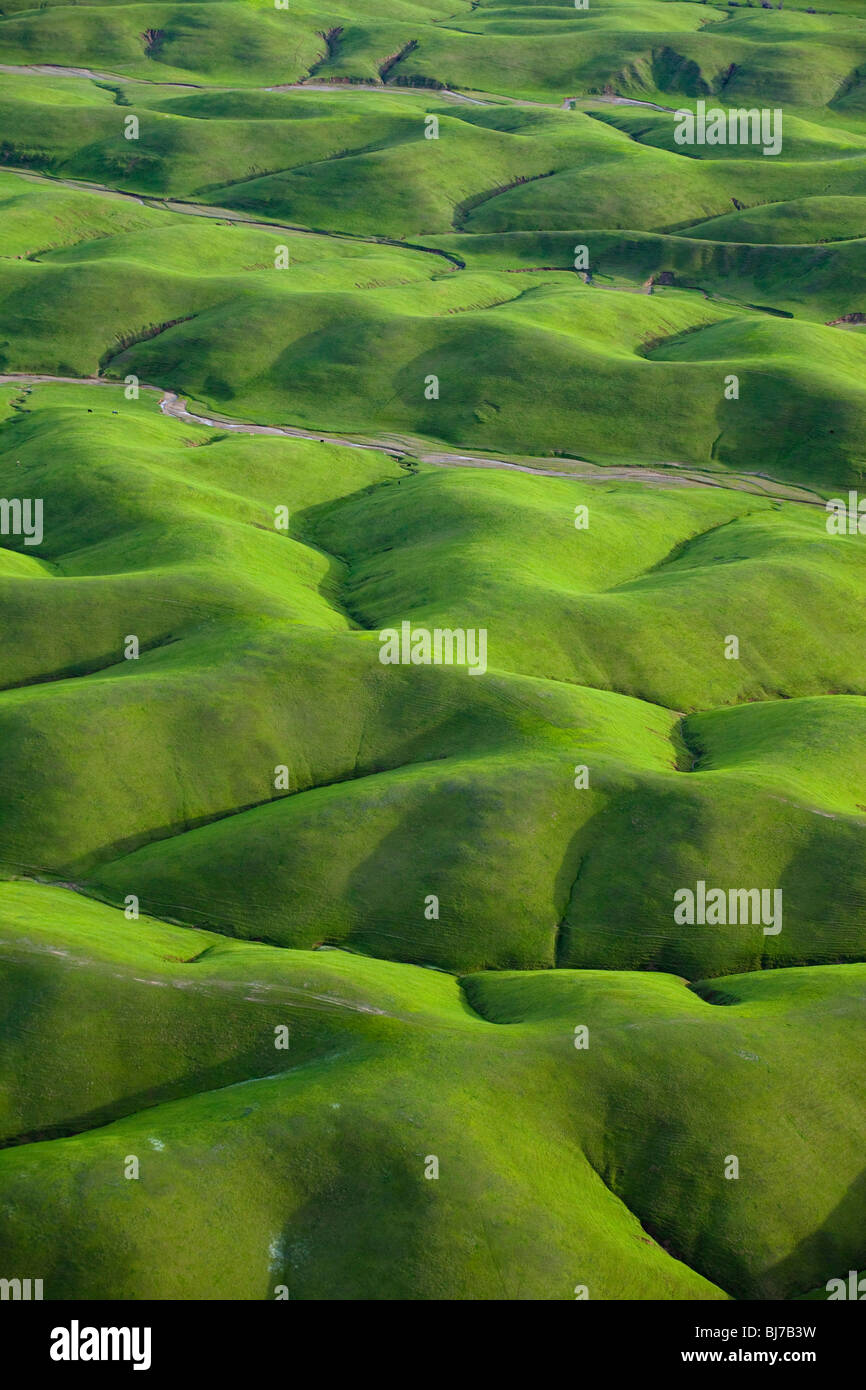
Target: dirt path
x=666, y=474
x=632, y=101
x=336, y=88
x=54, y=70
x=91, y=75
x=339, y=87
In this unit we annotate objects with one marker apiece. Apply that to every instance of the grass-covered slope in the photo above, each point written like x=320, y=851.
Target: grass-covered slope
x=639, y=48
x=392, y=314
x=259, y=651
x=552, y=1169
x=341, y=334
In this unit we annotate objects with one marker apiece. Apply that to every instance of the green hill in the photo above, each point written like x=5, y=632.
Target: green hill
x=387, y=1068
x=351, y=333
x=597, y=639
x=535, y=973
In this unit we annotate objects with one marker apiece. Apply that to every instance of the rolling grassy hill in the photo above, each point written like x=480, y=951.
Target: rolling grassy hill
x=350, y=334
x=597, y=641
x=642, y=48
x=388, y=1069
x=394, y=314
